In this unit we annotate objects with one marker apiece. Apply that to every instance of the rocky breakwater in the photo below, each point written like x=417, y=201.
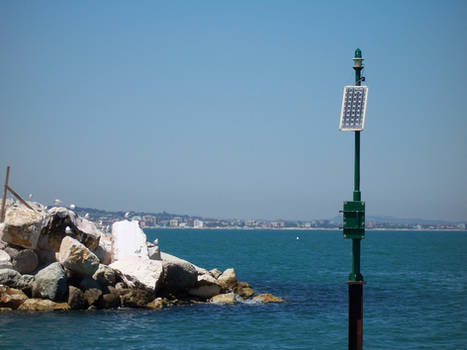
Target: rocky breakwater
x=52, y=259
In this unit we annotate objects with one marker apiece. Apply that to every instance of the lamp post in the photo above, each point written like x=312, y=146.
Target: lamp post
x=353, y=119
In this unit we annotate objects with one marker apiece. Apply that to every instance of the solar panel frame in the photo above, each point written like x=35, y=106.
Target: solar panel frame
x=353, y=111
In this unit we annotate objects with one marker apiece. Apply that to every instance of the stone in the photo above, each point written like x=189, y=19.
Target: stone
x=76, y=298
x=25, y=283
x=50, y=283
x=228, y=298
x=174, y=259
x=156, y=304
x=178, y=276
x=105, y=275
x=128, y=239
x=10, y=297
x=54, y=230
x=77, y=258
x=228, y=279
x=26, y=261
x=154, y=252
x=110, y=301
x=43, y=305
x=268, y=298
x=22, y=226
x=244, y=290
x=215, y=273
x=46, y=257
x=5, y=260
x=92, y=296
x=138, y=298
x=206, y=287
x=89, y=283
x=104, y=250
x=10, y=278
x=140, y=272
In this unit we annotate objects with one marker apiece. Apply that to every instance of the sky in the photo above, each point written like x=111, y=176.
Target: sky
x=230, y=109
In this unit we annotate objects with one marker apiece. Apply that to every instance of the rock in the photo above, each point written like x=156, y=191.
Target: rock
x=51, y=283
x=43, y=305
x=110, y=301
x=156, y=304
x=22, y=226
x=178, y=276
x=104, y=250
x=174, y=259
x=55, y=224
x=76, y=298
x=128, y=239
x=10, y=278
x=244, y=290
x=46, y=257
x=228, y=298
x=77, y=258
x=10, y=297
x=25, y=283
x=92, y=296
x=206, y=287
x=5, y=260
x=268, y=298
x=105, y=275
x=140, y=272
x=154, y=252
x=228, y=279
x=26, y=261
x=215, y=273
x=89, y=283
x=136, y=298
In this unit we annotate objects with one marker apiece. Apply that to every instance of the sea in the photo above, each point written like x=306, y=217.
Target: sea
x=415, y=296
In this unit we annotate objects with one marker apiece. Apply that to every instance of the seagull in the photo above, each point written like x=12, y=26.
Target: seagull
x=156, y=242
x=298, y=238
x=72, y=206
x=86, y=216
x=127, y=214
x=57, y=202
x=68, y=230
x=30, y=196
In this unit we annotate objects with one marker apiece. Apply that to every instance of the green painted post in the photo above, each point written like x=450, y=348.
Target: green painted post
x=355, y=283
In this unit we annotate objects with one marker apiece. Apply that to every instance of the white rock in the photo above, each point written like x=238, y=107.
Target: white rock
x=173, y=259
x=139, y=272
x=128, y=239
x=5, y=260
x=104, y=250
x=77, y=258
x=228, y=279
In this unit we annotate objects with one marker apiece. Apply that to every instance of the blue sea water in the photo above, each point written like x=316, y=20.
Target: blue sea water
x=415, y=296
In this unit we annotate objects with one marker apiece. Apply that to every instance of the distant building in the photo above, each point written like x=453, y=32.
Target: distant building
x=198, y=223
x=173, y=222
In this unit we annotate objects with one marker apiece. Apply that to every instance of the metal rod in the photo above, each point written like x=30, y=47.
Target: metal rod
x=19, y=198
x=5, y=189
x=355, y=315
x=356, y=192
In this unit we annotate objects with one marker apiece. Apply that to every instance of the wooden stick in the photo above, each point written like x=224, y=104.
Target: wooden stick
x=5, y=189
x=19, y=198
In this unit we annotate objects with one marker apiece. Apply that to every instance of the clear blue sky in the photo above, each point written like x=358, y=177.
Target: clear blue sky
x=230, y=109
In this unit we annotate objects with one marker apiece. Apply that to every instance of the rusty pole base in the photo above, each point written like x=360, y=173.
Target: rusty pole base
x=355, y=315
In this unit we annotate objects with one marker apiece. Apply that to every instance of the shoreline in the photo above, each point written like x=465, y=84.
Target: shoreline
x=300, y=229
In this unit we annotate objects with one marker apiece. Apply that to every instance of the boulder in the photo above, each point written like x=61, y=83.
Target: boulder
x=156, y=304
x=104, y=250
x=43, y=305
x=244, y=290
x=105, y=275
x=110, y=301
x=46, y=257
x=136, y=298
x=76, y=298
x=92, y=296
x=10, y=278
x=26, y=261
x=178, y=276
x=5, y=260
x=10, y=297
x=206, y=287
x=89, y=283
x=51, y=283
x=77, y=258
x=268, y=298
x=25, y=283
x=228, y=298
x=215, y=273
x=128, y=239
x=228, y=279
x=55, y=229
x=173, y=259
x=140, y=272
x=22, y=226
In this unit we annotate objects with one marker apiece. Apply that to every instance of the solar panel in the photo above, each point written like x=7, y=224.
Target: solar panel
x=353, y=108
